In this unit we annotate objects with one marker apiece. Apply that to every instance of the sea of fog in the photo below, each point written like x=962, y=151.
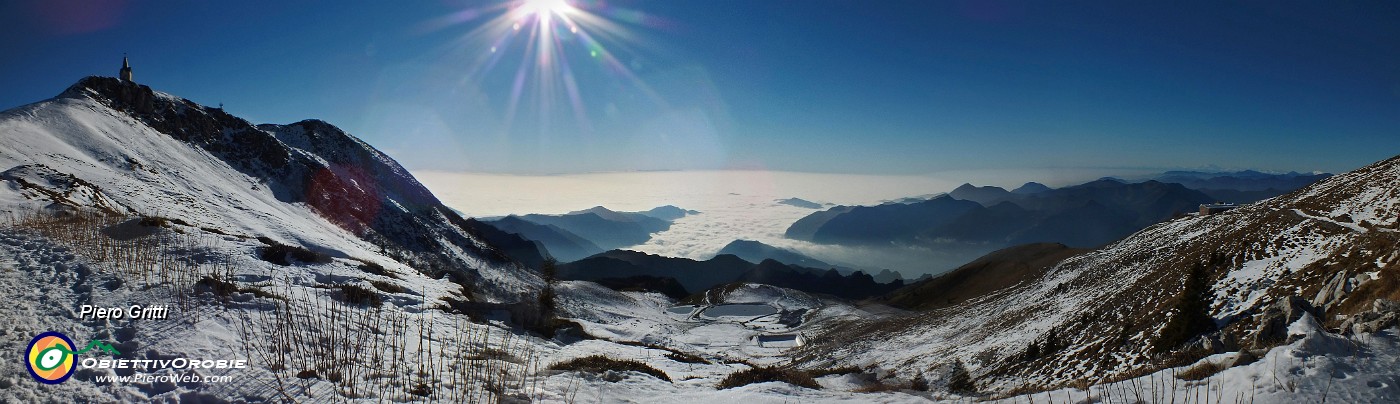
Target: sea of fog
x=734, y=205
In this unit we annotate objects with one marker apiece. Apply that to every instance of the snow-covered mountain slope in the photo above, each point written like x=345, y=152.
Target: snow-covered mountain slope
x=1102, y=315
x=411, y=304
x=1315, y=367
x=121, y=147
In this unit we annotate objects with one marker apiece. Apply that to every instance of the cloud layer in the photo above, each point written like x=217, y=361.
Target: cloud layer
x=733, y=205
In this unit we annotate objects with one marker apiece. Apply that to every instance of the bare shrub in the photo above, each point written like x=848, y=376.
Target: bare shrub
x=354, y=294
x=600, y=363
x=374, y=353
x=307, y=336
x=159, y=262
x=833, y=371
x=388, y=287
x=1201, y=371
x=374, y=268
x=762, y=374
x=282, y=254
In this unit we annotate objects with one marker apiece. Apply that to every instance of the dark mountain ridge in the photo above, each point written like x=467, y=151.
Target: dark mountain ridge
x=889, y=222
x=1085, y=215
x=613, y=266
x=608, y=229
x=560, y=244
x=1030, y=188
x=987, y=196
x=754, y=251
x=995, y=271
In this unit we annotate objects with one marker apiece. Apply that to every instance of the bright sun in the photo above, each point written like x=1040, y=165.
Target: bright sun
x=553, y=39
x=545, y=7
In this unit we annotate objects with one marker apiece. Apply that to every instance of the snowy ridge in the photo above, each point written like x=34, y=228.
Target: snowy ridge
x=305, y=184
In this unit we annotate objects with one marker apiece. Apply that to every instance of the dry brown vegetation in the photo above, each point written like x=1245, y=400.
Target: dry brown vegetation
x=369, y=352
x=600, y=363
x=305, y=335
x=1201, y=371
x=144, y=252
x=760, y=374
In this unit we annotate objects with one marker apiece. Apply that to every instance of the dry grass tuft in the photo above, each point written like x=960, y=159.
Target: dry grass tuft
x=763, y=374
x=600, y=363
x=1201, y=371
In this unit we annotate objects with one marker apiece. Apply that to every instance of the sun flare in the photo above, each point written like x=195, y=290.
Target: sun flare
x=542, y=45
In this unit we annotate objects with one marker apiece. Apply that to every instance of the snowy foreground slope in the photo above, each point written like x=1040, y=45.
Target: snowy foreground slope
x=1329, y=250
x=337, y=277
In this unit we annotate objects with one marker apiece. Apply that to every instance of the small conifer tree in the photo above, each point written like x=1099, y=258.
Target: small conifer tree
x=959, y=379
x=1192, y=312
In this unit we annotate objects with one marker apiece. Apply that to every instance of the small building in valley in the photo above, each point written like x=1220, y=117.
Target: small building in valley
x=780, y=340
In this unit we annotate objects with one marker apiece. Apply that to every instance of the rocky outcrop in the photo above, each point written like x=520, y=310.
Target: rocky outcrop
x=64, y=190
x=1274, y=321
x=1337, y=289
x=1384, y=314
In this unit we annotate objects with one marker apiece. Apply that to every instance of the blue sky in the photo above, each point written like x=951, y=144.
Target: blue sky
x=879, y=87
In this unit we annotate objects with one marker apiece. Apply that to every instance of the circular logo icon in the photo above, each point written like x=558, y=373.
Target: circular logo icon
x=50, y=358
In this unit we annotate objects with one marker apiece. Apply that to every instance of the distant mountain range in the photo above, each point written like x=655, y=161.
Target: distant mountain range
x=754, y=251
x=575, y=235
x=1030, y=188
x=562, y=245
x=1085, y=215
x=613, y=267
x=1248, y=180
x=799, y=202
x=1241, y=186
